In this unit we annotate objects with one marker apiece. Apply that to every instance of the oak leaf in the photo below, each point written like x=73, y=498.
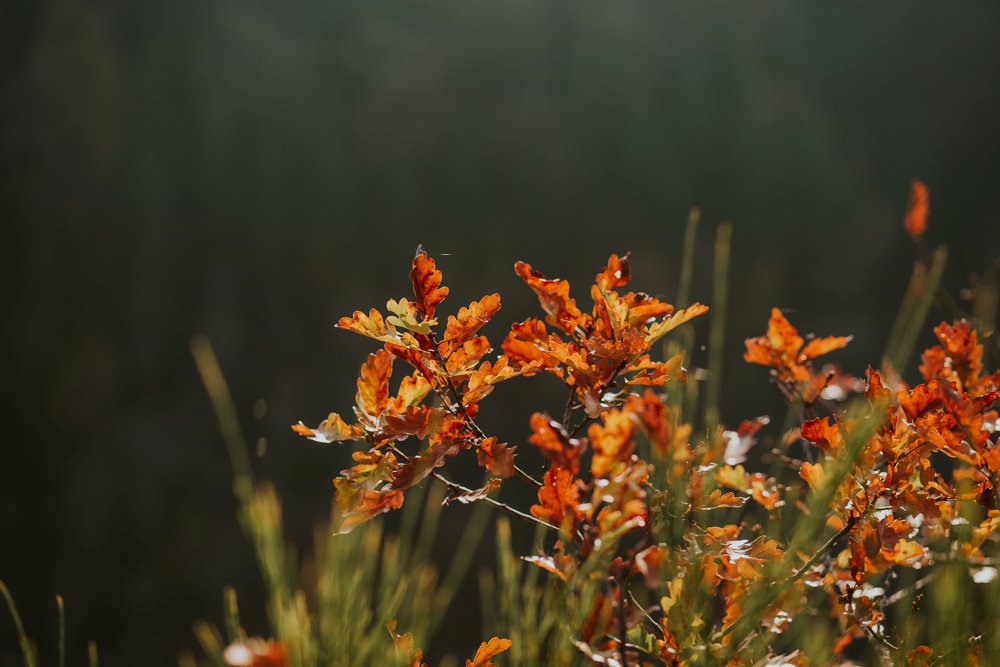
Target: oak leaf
x=553, y=295
x=331, y=429
x=496, y=457
x=550, y=438
x=557, y=498
x=426, y=281
x=471, y=319
x=658, y=330
x=487, y=651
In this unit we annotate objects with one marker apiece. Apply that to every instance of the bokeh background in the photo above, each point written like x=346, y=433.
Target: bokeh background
x=252, y=170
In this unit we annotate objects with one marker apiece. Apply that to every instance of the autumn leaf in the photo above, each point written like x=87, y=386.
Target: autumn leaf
x=658, y=330
x=717, y=500
x=496, y=457
x=361, y=492
x=426, y=281
x=373, y=385
x=611, y=441
x=419, y=467
x=404, y=316
x=656, y=373
x=471, y=319
x=617, y=273
x=528, y=342
x=739, y=442
x=481, y=381
x=405, y=650
x=779, y=348
x=487, y=651
x=469, y=497
x=419, y=421
x=331, y=429
x=412, y=390
x=819, y=346
x=823, y=434
x=553, y=295
x=917, y=210
x=375, y=327
x=549, y=437
x=642, y=308
x=557, y=498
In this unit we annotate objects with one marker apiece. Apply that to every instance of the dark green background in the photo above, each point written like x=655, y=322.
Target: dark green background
x=254, y=169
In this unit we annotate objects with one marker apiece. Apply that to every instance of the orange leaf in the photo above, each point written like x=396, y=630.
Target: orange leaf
x=658, y=330
x=372, y=504
x=611, y=442
x=419, y=467
x=642, y=308
x=558, y=497
x=468, y=497
x=426, y=281
x=553, y=295
x=549, y=437
x=331, y=429
x=373, y=384
x=917, y=210
x=820, y=346
x=616, y=274
x=471, y=319
x=462, y=358
x=529, y=341
x=717, y=499
x=779, y=347
x=496, y=457
x=419, y=421
x=821, y=433
x=488, y=650
x=482, y=379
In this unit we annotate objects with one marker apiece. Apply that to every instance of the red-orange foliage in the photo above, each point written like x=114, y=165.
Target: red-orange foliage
x=622, y=468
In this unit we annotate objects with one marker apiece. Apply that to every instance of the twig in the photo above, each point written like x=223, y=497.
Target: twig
x=798, y=574
x=459, y=409
x=457, y=489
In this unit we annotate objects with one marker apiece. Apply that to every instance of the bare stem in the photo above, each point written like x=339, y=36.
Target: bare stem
x=457, y=489
x=458, y=409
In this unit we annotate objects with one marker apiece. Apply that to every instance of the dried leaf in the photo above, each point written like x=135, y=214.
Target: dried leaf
x=471, y=319
x=496, y=457
x=469, y=497
x=611, y=442
x=553, y=295
x=487, y=651
x=373, y=384
x=426, y=281
x=658, y=330
x=558, y=497
x=331, y=429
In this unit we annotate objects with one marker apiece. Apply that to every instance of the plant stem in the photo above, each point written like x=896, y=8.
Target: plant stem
x=459, y=409
x=457, y=488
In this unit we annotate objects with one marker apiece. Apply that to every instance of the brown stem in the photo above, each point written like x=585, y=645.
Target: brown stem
x=457, y=489
x=459, y=409
x=798, y=574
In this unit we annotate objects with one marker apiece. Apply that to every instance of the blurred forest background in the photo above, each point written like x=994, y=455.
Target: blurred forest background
x=252, y=170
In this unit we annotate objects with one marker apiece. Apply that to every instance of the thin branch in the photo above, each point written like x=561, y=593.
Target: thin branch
x=798, y=574
x=458, y=489
x=458, y=408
